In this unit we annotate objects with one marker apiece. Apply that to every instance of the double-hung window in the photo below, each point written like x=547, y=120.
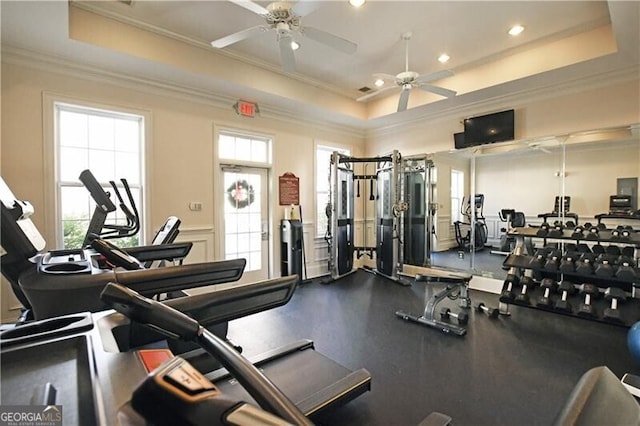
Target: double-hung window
x=110, y=144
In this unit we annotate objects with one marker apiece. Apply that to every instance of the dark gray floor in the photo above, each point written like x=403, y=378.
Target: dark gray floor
x=515, y=370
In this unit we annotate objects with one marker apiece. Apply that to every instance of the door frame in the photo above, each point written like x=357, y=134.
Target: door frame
x=219, y=192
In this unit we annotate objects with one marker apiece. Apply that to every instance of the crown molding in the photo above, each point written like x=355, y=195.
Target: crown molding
x=49, y=64
x=485, y=100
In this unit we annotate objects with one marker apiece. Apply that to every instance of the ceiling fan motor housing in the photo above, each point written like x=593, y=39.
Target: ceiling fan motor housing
x=407, y=77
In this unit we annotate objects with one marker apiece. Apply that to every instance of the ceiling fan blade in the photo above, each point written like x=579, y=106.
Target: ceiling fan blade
x=404, y=100
x=286, y=54
x=434, y=76
x=438, y=90
x=249, y=5
x=239, y=36
x=304, y=7
x=331, y=40
x=375, y=93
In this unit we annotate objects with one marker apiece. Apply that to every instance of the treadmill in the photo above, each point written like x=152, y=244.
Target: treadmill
x=113, y=343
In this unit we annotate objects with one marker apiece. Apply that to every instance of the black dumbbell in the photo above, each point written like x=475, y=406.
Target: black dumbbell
x=556, y=230
x=583, y=248
x=590, y=292
x=539, y=258
x=510, y=284
x=625, y=270
x=569, y=224
x=492, y=312
x=566, y=289
x=615, y=296
x=553, y=261
x=597, y=249
x=627, y=251
x=543, y=230
x=625, y=234
x=584, y=265
x=604, y=266
x=578, y=232
x=567, y=263
x=526, y=283
x=549, y=285
x=461, y=316
x=593, y=233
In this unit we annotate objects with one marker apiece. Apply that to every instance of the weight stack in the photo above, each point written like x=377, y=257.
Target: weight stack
x=291, y=248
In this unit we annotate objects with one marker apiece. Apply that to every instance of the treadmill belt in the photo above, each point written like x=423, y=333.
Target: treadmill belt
x=311, y=380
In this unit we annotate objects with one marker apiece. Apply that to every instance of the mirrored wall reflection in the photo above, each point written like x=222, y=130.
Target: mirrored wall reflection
x=480, y=192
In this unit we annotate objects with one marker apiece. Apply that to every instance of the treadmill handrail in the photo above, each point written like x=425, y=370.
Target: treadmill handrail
x=176, y=324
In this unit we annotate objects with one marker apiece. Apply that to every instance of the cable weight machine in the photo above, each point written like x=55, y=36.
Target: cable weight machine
x=389, y=210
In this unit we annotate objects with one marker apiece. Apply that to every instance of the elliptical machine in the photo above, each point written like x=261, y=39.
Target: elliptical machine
x=463, y=228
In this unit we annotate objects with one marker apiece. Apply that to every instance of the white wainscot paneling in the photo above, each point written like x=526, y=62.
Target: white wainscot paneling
x=203, y=247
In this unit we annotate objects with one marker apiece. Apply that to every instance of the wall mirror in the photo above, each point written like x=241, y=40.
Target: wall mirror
x=519, y=182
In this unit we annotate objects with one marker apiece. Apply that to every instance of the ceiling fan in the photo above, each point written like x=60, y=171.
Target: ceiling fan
x=285, y=19
x=409, y=79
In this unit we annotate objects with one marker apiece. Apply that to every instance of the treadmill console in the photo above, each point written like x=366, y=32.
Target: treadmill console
x=65, y=262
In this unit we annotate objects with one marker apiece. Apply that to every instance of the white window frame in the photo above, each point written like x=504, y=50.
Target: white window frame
x=327, y=147
x=457, y=194
x=53, y=222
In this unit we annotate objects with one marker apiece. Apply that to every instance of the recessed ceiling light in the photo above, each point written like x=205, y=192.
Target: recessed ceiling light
x=356, y=3
x=379, y=82
x=515, y=30
x=294, y=45
x=443, y=58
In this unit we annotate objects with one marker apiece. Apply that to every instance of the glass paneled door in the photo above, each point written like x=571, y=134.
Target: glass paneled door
x=246, y=219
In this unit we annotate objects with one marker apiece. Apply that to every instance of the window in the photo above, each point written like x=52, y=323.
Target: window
x=323, y=166
x=244, y=148
x=457, y=193
x=110, y=145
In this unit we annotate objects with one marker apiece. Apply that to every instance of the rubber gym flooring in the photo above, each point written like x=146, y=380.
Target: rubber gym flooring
x=515, y=370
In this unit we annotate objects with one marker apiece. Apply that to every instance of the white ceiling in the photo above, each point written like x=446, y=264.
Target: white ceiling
x=473, y=33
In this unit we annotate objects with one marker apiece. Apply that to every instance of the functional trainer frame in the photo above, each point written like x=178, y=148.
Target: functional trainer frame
x=403, y=209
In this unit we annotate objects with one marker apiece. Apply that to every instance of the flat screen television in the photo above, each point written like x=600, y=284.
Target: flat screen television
x=490, y=128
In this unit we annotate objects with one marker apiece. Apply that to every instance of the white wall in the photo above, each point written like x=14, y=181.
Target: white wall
x=180, y=153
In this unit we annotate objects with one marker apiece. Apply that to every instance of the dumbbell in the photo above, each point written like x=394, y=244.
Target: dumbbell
x=597, y=249
x=492, y=312
x=625, y=270
x=567, y=263
x=590, y=292
x=615, y=296
x=593, y=233
x=538, y=259
x=543, y=230
x=613, y=250
x=556, y=230
x=526, y=283
x=461, y=316
x=578, y=232
x=566, y=288
x=553, y=261
x=549, y=285
x=584, y=265
x=625, y=234
x=510, y=282
x=604, y=266
x=569, y=224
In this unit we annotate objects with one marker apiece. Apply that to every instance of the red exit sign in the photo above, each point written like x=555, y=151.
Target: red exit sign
x=248, y=109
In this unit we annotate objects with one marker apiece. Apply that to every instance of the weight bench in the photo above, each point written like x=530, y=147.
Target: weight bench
x=457, y=287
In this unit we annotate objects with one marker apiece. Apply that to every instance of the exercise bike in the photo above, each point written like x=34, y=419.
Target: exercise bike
x=513, y=219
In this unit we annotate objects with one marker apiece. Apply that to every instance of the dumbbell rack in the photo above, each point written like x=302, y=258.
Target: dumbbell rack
x=519, y=262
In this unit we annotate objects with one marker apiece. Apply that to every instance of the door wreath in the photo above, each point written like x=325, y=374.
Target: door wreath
x=240, y=194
